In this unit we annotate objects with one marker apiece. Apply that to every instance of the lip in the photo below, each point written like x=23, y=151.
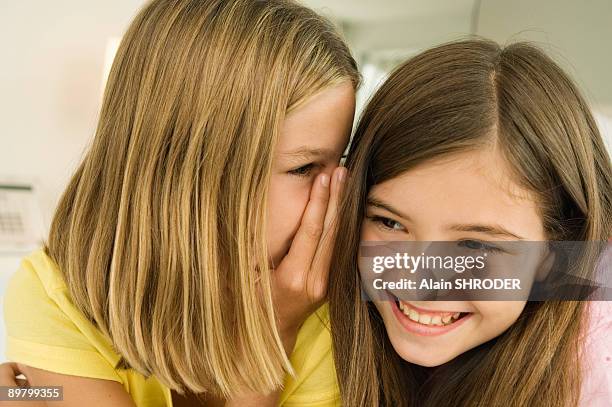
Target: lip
x=425, y=330
x=429, y=311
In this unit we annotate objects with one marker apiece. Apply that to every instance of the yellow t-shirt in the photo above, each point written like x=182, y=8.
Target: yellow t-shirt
x=46, y=331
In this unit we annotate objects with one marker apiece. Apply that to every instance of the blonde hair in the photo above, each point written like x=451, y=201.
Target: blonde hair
x=443, y=101
x=161, y=232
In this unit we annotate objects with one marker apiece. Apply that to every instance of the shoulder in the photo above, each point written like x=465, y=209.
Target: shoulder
x=32, y=292
x=36, y=272
x=597, y=355
x=44, y=328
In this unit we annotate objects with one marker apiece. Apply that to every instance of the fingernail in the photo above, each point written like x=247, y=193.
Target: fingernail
x=341, y=174
x=325, y=180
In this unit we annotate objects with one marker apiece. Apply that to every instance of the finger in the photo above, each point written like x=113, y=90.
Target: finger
x=337, y=183
x=322, y=260
x=8, y=372
x=306, y=240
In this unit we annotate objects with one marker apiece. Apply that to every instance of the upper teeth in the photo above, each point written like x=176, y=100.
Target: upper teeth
x=428, y=319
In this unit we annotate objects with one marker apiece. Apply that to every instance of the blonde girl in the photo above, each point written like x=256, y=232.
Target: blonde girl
x=479, y=145
x=193, y=240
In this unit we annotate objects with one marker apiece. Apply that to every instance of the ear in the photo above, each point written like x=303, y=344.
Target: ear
x=545, y=265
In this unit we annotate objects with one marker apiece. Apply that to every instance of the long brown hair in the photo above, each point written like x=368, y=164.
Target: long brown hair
x=160, y=234
x=455, y=97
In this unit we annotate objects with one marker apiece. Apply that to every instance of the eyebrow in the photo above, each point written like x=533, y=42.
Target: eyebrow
x=493, y=230
x=383, y=205
x=310, y=153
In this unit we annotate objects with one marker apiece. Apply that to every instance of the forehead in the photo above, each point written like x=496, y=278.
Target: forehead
x=321, y=122
x=474, y=187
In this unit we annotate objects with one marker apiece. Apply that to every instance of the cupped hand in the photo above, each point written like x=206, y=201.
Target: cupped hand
x=299, y=283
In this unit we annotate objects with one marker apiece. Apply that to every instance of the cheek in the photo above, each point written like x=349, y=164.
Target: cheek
x=287, y=200
x=369, y=232
x=497, y=316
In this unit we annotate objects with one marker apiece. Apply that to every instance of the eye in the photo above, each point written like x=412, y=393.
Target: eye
x=386, y=223
x=479, y=246
x=303, y=171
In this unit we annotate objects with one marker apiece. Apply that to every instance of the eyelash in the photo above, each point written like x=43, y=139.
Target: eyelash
x=483, y=246
x=303, y=171
x=380, y=221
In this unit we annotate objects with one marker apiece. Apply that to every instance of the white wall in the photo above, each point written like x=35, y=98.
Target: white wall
x=577, y=34
x=50, y=79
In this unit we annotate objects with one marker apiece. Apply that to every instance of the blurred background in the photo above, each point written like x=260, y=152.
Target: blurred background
x=56, y=55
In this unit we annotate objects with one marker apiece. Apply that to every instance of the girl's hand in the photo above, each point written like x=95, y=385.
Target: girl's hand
x=8, y=375
x=300, y=281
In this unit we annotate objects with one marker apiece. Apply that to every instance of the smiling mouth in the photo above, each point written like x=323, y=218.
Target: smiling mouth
x=427, y=317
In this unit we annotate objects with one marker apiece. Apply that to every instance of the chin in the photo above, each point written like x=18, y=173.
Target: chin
x=418, y=357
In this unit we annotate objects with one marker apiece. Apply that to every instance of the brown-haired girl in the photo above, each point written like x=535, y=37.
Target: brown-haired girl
x=477, y=144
